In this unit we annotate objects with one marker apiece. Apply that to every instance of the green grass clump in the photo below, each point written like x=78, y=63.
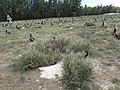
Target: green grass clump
x=107, y=63
x=82, y=46
x=29, y=60
x=43, y=53
x=77, y=72
x=114, y=88
x=79, y=46
x=34, y=59
x=59, y=44
x=116, y=81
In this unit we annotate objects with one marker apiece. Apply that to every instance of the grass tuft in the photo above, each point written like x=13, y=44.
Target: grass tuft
x=43, y=53
x=77, y=72
x=29, y=60
x=116, y=81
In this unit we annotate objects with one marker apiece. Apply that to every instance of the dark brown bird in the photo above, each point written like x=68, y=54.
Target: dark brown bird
x=18, y=27
x=103, y=24
x=31, y=38
x=115, y=30
x=54, y=37
x=7, y=32
x=115, y=34
x=86, y=54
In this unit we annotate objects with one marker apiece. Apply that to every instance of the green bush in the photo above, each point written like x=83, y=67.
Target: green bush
x=77, y=72
x=79, y=46
x=29, y=60
x=34, y=59
x=82, y=46
x=43, y=53
x=116, y=81
x=114, y=88
x=59, y=44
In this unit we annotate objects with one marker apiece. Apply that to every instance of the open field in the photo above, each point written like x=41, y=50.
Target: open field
x=105, y=49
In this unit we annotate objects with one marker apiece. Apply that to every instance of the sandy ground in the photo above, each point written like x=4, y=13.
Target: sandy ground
x=51, y=72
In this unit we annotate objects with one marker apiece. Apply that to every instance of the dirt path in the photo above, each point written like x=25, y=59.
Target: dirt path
x=4, y=65
x=103, y=74
x=5, y=59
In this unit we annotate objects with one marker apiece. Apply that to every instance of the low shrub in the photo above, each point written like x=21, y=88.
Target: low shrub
x=116, y=81
x=42, y=53
x=77, y=72
x=82, y=46
x=59, y=44
x=29, y=60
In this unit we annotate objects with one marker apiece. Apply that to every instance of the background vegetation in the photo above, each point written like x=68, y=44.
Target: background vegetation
x=37, y=9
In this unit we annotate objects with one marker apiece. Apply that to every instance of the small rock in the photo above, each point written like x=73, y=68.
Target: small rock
x=37, y=81
x=71, y=28
x=40, y=87
x=23, y=27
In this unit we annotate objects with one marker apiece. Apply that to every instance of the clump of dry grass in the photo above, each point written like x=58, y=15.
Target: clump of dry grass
x=82, y=46
x=77, y=72
x=43, y=53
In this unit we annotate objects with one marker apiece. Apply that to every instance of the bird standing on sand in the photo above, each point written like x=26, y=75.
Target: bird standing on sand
x=117, y=36
x=86, y=54
x=31, y=38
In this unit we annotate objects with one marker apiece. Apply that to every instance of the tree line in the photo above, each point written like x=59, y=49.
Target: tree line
x=37, y=9
x=97, y=10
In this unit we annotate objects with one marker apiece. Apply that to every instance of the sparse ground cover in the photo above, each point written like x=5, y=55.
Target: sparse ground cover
x=55, y=39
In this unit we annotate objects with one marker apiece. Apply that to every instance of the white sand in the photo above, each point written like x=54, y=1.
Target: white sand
x=50, y=72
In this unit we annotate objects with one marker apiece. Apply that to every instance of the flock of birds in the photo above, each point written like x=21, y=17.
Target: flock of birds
x=32, y=39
